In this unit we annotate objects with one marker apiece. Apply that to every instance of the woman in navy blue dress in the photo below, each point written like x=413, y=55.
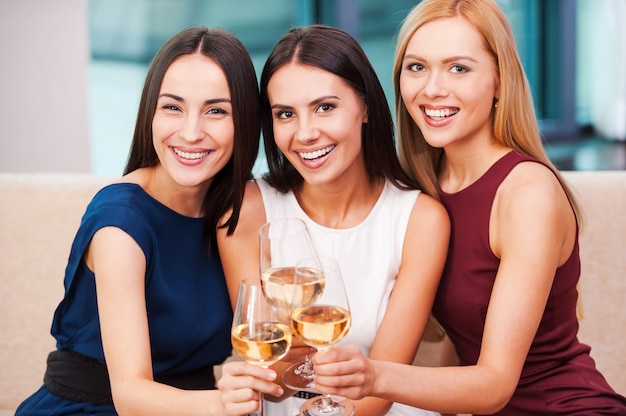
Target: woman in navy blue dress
x=146, y=313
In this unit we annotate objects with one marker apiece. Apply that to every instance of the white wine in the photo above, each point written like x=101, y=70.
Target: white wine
x=268, y=343
x=320, y=325
x=283, y=290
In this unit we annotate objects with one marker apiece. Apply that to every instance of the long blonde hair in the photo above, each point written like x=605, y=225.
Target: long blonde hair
x=514, y=122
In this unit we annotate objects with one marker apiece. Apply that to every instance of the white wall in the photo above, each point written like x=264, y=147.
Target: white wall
x=44, y=60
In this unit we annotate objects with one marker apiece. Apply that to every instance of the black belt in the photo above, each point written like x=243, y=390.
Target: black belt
x=306, y=394
x=84, y=379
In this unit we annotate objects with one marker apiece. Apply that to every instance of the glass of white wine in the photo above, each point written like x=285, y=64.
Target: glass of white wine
x=283, y=243
x=258, y=334
x=321, y=324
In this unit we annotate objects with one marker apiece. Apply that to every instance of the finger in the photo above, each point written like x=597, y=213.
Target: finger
x=243, y=368
x=241, y=408
x=349, y=386
x=336, y=354
x=238, y=402
x=352, y=393
x=228, y=384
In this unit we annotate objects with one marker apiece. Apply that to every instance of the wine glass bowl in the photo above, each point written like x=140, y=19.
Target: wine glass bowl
x=283, y=243
x=282, y=291
x=261, y=344
x=319, y=325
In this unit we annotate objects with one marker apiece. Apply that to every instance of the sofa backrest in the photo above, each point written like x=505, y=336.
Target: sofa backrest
x=39, y=214
x=602, y=286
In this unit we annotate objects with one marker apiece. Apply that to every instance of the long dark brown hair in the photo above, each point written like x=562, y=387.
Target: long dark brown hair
x=337, y=52
x=227, y=188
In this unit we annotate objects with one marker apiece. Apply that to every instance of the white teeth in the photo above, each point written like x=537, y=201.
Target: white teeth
x=188, y=155
x=440, y=113
x=316, y=154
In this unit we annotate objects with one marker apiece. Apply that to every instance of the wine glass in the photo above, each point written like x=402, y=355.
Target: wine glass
x=283, y=243
x=258, y=335
x=321, y=324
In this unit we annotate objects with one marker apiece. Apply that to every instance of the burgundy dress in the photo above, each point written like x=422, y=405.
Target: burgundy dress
x=559, y=377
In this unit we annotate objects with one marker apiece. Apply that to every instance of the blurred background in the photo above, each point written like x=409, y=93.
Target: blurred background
x=72, y=70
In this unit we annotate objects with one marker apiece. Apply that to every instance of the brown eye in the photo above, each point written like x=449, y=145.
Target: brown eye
x=284, y=114
x=325, y=108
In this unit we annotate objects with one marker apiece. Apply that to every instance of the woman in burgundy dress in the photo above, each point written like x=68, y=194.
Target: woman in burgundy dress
x=508, y=294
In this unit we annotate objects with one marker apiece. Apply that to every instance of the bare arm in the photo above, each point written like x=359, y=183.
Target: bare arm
x=119, y=266
x=530, y=248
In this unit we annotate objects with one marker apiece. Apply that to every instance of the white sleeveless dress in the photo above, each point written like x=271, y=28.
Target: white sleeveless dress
x=369, y=254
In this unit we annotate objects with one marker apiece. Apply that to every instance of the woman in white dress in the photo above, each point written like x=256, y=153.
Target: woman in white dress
x=329, y=143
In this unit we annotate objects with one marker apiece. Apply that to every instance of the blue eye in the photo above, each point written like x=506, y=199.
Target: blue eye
x=415, y=67
x=459, y=69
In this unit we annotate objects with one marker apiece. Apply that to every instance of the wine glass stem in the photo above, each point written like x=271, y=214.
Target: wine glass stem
x=307, y=370
x=261, y=411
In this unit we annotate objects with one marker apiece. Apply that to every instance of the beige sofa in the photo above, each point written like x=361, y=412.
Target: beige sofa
x=39, y=214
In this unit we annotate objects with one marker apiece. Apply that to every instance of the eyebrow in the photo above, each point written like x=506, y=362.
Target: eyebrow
x=446, y=60
x=313, y=103
x=182, y=100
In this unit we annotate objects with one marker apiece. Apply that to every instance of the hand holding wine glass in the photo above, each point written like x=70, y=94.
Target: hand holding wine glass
x=321, y=324
x=258, y=334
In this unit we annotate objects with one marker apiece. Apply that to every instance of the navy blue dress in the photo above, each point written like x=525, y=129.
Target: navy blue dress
x=189, y=311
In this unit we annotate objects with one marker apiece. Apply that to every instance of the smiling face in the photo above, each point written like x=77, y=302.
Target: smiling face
x=449, y=83
x=193, y=129
x=317, y=122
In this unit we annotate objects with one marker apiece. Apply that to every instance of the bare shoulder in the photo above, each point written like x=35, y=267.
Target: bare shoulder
x=429, y=219
x=533, y=195
x=531, y=179
x=252, y=199
x=428, y=209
